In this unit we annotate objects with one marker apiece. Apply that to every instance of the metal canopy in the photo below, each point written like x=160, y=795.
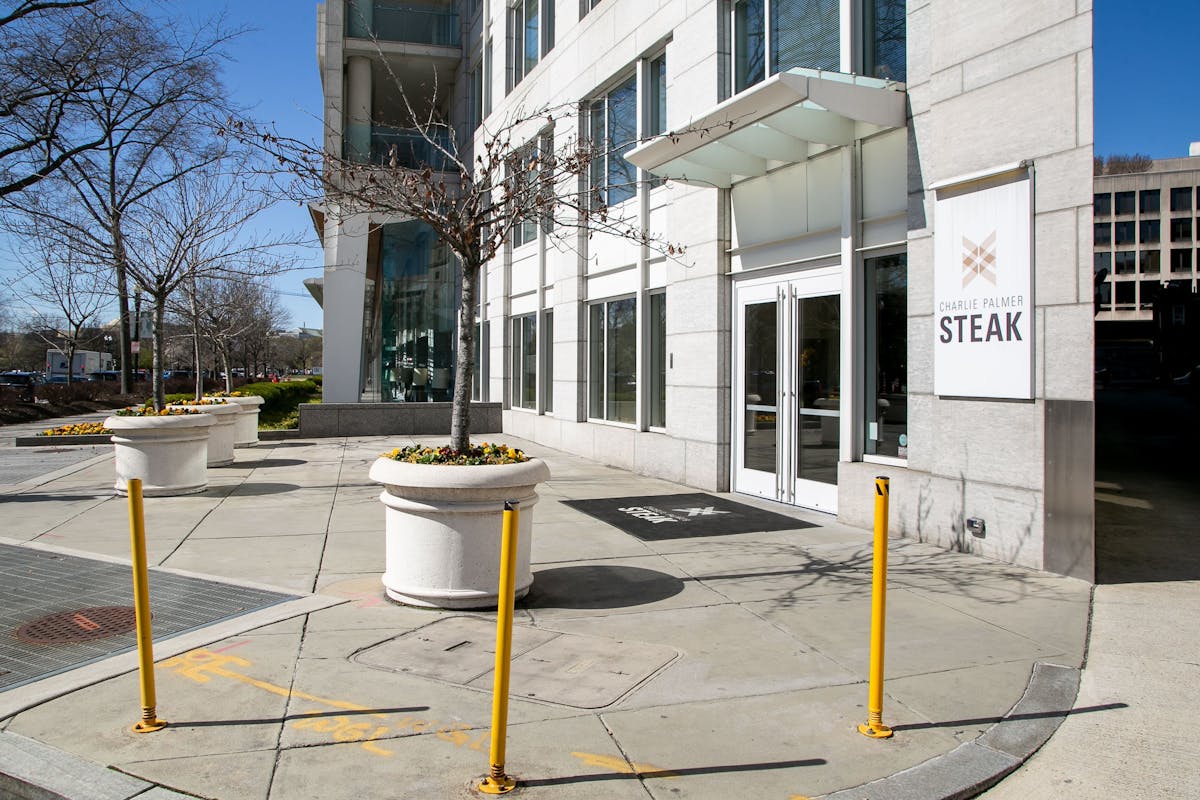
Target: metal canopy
x=782, y=120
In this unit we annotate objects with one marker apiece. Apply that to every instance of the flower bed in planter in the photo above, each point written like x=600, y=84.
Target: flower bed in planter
x=222, y=435
x=168, y=451
x=443, y=528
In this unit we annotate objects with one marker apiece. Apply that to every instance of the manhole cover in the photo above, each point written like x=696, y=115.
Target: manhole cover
x=78, y=626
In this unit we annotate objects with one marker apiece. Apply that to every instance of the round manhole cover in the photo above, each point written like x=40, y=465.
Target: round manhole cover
x=78, y=626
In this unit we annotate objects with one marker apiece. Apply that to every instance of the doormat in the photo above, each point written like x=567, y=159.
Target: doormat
x=61, y=611
x=682, y=516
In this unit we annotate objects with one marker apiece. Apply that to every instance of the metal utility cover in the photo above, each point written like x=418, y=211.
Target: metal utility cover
x=561, y=668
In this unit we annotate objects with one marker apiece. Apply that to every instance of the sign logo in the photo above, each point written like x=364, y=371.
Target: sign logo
x=700, y=512
x=979, y=260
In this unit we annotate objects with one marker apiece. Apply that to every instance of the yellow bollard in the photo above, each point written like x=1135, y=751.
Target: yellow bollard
x=141, y=605
x=874, y=726
x=497, y=782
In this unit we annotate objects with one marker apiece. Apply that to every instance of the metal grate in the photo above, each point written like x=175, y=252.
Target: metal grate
x=60, y=612
x=78, y=626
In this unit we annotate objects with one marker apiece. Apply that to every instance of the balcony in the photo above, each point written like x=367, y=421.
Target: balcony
x=375, y=145
x=412, y=22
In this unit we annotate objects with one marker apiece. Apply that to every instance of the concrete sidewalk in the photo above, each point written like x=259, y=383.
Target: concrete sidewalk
x=714, y=667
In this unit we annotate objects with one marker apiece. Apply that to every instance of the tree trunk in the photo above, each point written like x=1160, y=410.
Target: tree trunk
x=125, y=339
x=225, y=368
x=160, y=307
x=464, y=363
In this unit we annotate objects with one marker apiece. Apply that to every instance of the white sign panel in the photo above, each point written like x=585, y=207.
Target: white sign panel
x=982, y=290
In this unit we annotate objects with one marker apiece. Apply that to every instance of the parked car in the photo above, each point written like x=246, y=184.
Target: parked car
x=21, y=383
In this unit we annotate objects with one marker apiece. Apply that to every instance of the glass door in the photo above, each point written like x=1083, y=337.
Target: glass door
x=788, y=399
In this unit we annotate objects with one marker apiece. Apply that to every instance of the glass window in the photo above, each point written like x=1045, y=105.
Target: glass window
x=658, y=97
x=548, y=361
x=479, y=374
x=1148, y=291
x=1102, y=261
x=1124, y=232
x=1148, y=201
x=523, y=174
x=1102, y=204
x=1125, y=202
x=531, y=25
x=524, y=362
x=1181, y=198
x=886, y=357
x=613, y=130
x=884, y=39
x=612, y=360
x=788, y=33
x=1125, y=294
x=1150, y=231
x=487, y=77
x=656, y=371
x=1125, y=261
x=419, y=319
x=1181, y=229
x=1102, y=233
x=1148, y=261
x=1181, y=260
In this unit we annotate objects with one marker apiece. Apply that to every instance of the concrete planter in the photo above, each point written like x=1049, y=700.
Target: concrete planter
x=222, y=435
x=169, y=454
x=443, y=530
x=245, y=432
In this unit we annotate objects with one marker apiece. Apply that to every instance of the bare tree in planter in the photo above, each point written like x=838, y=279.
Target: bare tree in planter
x=533, y=169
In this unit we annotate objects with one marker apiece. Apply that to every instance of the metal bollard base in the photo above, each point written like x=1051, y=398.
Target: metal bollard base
x=875, y=731
x=501, y=785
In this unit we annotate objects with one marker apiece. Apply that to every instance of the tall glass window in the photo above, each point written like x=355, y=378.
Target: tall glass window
x=548, y=362
x=886, y=357
x=884, y=39
x=522, y=172
x=1102, y=204
x=775, y=35
x=524, y=362
x=418, y=322
x=613, y=131
x=612, y=360
x=656, y=368
x=531, y=26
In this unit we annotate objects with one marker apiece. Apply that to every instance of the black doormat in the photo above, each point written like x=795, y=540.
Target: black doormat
x=60, y=611
x=682, y=516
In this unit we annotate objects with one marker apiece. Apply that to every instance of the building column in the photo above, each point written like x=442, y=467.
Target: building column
x=345, y=287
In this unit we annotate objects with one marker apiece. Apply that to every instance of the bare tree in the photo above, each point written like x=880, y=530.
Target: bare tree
x=49, y=59
x=149, y=115
x=533, y=168
x=197, y=228
x=65, y=298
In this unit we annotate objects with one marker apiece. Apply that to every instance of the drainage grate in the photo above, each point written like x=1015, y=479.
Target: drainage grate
x=83, y=625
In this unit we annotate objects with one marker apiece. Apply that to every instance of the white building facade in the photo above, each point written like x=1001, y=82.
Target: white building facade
x=886, y=212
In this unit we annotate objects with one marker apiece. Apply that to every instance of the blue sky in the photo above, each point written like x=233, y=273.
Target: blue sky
x=1146, y=95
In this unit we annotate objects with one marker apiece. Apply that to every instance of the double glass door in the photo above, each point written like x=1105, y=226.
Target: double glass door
x=787, y=390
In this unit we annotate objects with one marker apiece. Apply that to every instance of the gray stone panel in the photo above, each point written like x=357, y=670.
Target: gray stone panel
x=30, y=770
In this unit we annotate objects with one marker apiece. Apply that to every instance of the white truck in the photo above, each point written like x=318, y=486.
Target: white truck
x=84, y=363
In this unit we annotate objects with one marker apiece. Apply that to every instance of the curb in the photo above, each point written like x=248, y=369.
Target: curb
x=972, y=768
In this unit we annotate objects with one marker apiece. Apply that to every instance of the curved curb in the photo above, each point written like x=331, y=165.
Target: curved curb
x=974, y=767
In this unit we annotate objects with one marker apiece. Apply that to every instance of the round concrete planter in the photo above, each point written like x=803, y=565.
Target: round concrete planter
x=223, y=432
x=169, y=454
x=245, y=432
x=443, y=529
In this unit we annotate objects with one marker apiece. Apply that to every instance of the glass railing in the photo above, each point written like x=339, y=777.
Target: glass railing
x=391, y=21
x=406, y=147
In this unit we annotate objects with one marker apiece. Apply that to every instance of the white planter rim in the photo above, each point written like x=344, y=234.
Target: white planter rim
x=116, y=423
x=217, y=409
x=453, y=476
x=245, y=400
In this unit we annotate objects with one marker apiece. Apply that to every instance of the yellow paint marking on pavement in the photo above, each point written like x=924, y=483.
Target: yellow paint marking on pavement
x=198, y=664
x=617, y=764
x=1121, y=500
